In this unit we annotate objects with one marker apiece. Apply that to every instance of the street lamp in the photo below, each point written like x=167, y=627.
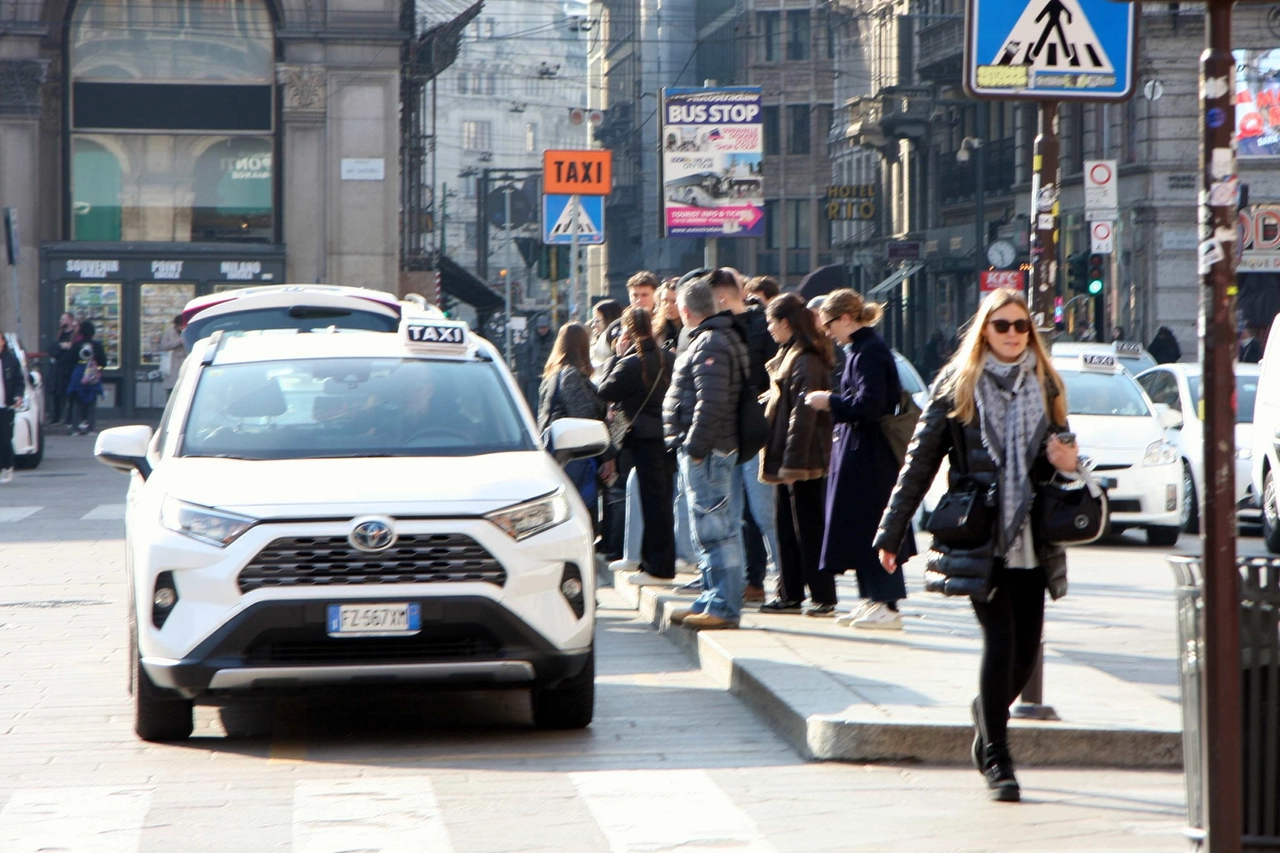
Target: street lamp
x=969, y=143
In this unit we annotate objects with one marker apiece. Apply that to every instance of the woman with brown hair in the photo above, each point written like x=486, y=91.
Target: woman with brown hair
x=863, y=464
x=635, y=382
x=996, y=410
x=797, y=454
x=566, y=392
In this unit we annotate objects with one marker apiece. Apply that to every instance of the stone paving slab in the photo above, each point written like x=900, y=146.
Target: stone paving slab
x=837, y=693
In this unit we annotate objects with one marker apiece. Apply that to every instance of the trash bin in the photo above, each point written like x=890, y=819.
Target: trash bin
x=1260, y=694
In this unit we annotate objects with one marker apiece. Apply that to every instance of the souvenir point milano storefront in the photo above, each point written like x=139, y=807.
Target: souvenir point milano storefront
x=152, y=149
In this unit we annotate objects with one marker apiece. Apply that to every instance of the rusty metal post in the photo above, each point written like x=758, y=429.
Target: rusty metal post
x=1220, y=723
x=1044, y=217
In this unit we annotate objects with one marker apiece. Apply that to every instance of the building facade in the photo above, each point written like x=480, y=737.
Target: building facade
x=155, y=151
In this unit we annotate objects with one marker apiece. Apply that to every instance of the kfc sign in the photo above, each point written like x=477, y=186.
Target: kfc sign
x=995, y=279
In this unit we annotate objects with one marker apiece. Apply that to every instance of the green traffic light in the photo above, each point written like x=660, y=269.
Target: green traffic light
x=1095, y=286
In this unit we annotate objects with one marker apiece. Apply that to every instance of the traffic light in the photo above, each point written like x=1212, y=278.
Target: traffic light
x=553, y=263
x=1078, y=271
x=1097, y=277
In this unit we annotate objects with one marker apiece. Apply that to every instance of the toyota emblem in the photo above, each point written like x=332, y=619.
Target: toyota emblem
x=373, y=535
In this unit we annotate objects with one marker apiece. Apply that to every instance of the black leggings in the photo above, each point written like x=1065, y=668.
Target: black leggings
x=1012, y=623
x=657, y=507
x=801, y=513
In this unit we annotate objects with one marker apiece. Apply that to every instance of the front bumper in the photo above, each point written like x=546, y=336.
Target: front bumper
x=1144, y=495
x=284, y=645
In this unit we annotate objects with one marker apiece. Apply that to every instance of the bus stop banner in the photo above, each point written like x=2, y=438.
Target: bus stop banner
x=712, y=159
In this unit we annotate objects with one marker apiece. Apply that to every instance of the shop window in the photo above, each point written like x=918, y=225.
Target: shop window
x=100, y=304
x=160, y=303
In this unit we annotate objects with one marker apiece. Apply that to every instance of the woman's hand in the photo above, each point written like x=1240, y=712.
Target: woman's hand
x=608, y=470
x=1064, y=457
x=624, y=344
x=889, y=561
x=820, y=400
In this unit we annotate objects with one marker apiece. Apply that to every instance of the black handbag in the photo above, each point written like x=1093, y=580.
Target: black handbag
x=966, y=514
x=1070, y=513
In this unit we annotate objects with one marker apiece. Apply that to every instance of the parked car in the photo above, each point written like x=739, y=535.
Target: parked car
x=28, y=429
x=1178, y=386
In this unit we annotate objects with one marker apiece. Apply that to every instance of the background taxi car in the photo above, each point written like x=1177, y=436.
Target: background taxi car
x=323, y=509
x=1117, y=427
x=1178, y=387
x=1132, y=355
x=301, y=307
x=28, y=434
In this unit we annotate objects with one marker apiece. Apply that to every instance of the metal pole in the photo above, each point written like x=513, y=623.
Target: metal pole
x=17, y=309
x=1220, y=711
x=979, y=197
x=506, y=203
x=581, y=310
x=1044, y=217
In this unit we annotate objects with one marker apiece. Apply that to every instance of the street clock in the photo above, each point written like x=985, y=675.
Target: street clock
x=1001, y=254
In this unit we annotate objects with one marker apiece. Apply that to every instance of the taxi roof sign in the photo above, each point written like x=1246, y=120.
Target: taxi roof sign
x=581, y=172
x=1098, y=362
x=423, y=333
x=1132, y=348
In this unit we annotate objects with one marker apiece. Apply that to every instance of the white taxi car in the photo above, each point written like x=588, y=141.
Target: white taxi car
x=1132, y=355
x=354, y=508
x=28, y=432
x=1117, y=428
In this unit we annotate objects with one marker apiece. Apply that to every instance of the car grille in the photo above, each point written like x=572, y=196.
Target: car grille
x=468, y=645
x=1125, y=506
x=332, y=561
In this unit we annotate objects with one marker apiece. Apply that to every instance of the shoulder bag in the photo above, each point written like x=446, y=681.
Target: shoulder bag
x=966, y=514
x=619, y=422
x=1070, y=513
x=899, y=427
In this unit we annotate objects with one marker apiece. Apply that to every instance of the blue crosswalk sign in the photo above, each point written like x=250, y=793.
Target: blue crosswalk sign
x=557, y=220
x=1046, y=50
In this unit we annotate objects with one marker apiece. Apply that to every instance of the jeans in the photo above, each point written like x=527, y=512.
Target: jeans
x=635, y=522
x=715, y=502
x=760, y=499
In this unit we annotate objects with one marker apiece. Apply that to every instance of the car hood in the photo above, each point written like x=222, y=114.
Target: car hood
x=1110, y=432
x=466, y=485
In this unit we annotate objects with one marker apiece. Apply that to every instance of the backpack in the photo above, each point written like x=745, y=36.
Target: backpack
x=900, y=426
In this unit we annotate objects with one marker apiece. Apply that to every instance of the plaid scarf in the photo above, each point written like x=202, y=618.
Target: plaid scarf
x=1012, y=416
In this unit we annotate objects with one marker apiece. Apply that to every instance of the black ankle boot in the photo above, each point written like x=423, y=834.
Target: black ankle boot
x=997, y=767
x=979, y=746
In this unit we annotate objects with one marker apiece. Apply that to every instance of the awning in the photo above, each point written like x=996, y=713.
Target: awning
x=459, y=283
x=894, y=280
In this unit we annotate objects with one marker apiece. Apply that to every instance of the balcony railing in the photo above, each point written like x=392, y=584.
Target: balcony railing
x=941, y=51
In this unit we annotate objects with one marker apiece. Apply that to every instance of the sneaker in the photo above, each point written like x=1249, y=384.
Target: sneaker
x=997, y=767
x=624, y=565
x=707, y=622
x=6, y=475
x=820, y=610
x=693, y=587
x=879, y=617
x=780, y=605
x=849, y=618
x=645, y=579
x=684, y=567
x=753, y=593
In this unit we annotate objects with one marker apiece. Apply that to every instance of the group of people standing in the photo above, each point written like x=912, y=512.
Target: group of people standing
x=78, y=363
x=841, y=497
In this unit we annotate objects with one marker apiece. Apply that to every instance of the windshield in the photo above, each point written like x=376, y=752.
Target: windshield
x=317, y=408
x=1246, y=394
x=1104, y=394
x=302, y=317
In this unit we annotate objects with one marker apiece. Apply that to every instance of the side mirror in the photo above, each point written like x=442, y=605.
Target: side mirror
x=1169, y=419
x=576, y=438
x=124, y=449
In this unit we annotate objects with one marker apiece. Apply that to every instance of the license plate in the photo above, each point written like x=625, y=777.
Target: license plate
x=374, y=620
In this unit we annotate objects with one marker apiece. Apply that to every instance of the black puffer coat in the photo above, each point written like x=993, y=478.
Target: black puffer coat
x=700, y=410
x=624, y=383
x=953, y=570
x=14, y=386
x=753, y=325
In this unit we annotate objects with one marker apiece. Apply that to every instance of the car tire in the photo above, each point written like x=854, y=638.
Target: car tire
x=1163, y=536
x=32, y=460
x=569, y=705
x=159, y=715
x=1190, y=501
x=1270, y=514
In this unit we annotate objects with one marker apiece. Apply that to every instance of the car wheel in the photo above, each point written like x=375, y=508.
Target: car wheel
x=32, y=460
x=1190, y=502
x=1163, y=536
x=159, y=715
x=1270, y=514
x=571, y=704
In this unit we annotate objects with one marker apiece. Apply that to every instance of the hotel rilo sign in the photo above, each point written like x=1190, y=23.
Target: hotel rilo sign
x=851, y=202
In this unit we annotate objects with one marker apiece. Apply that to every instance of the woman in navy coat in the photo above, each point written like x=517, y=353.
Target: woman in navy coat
x=864, y=467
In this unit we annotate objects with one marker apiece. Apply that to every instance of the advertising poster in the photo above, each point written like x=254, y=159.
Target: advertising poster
x=712, y=159
x=1258, y=103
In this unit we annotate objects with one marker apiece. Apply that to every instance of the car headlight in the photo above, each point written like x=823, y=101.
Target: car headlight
x=532, y=517
x=1160, y=453
x=1244, y=452
x=203, y=524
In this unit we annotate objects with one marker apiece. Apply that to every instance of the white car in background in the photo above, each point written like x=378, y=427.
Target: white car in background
x=1266, y=443
x=1123, y=434
x=28, y=430
x=912, y=382
x=1178, y=387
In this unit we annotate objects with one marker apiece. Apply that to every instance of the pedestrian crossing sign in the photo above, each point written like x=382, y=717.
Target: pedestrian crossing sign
x=1051, y=50
x=557, y=220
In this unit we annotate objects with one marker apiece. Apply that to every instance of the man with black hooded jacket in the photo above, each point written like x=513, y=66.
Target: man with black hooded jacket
x=760, y=526
x=700, y=420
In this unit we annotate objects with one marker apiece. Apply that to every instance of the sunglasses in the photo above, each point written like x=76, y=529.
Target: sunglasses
x=1019, y=326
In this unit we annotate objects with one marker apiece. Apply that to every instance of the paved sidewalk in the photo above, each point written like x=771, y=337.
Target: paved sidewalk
x=841, y=693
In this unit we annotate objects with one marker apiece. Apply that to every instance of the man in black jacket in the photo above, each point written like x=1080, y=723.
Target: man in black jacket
x=700, y=420
x=760, y=526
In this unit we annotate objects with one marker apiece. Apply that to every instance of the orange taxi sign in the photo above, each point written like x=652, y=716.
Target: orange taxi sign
x=583, y=172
